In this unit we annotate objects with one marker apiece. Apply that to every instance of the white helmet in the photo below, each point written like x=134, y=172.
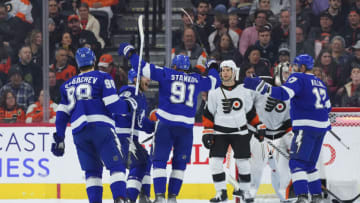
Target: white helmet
x=282, y=69
x=231, y=64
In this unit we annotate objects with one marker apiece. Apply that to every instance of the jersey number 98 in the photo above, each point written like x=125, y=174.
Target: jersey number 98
x=82, y=91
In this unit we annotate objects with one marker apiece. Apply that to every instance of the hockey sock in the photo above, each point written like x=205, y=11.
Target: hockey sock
x=176, y=177
x=117, y=184
x=159, y=176
x=94, y=187
x=314, y=182
x=300, y=182
x=135, y=177
x=218, y=173
x=146, y=182
x=244, y=173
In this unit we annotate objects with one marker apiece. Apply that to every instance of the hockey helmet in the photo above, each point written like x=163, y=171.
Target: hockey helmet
x=85, y=57
x=304, y=59
x=281, y=73
x=231, y=64
x=181, y=62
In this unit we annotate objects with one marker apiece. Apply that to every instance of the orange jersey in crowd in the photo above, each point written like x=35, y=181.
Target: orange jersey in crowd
x=13, y=116
x=34, y=113
x=65, y=73
x=21, y=9
x=103, y=2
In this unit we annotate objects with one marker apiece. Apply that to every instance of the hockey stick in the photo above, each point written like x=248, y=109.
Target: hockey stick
x=147, y=139
x=347, y=201
x=322, y=186
x=339, y=139
x=141, y=32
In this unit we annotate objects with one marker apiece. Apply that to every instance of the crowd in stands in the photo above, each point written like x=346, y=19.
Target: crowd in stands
x=254, y=33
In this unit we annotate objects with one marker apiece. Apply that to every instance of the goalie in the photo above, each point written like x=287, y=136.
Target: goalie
x=229, y=109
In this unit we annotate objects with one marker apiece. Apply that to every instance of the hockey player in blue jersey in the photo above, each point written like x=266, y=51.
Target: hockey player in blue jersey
x=140, y=165
x=309, y=108
x=178, y=91
x=87, y=102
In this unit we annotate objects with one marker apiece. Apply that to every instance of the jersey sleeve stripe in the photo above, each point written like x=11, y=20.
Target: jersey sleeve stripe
x=290, y=92
x=90, y=119
x=175, y=118
x=63, y=108
x=125, y=131
x=146, y=70
x=110, y=99
x=213, y=81
x=312, y=123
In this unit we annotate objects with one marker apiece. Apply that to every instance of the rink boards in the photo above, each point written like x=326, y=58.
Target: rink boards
x=29, y=170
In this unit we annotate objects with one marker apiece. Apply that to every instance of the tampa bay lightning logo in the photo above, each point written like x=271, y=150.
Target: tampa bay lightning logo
x=140, y=118
x=272, y=103
x=231, y=104
x=292, y=79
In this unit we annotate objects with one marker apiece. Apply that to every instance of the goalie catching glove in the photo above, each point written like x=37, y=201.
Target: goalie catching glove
x=260, y=132
x=208, y=138
x=58, y=147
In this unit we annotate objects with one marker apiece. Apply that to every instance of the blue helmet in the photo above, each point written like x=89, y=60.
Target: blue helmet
x=132, y=75
x=84, y=57
x=304, y=59
x=181, y=62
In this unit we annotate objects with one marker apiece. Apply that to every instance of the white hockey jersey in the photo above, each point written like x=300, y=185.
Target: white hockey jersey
x=229, y=110
x=275, y=114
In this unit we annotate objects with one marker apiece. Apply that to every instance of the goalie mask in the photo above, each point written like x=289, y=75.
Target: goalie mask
x=281, y=73
x=230, y=64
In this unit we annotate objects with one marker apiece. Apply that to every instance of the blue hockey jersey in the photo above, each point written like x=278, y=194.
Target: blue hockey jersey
x=309, y=104
x=142, y=123
x=89, y=97
x=178, y=91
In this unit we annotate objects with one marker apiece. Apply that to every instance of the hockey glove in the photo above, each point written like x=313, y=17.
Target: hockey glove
x=258, y=85
x=261, y=130
x=211, y=64
x=126, y=49
x=131, y=103
x=208, y=138
x=58, y=147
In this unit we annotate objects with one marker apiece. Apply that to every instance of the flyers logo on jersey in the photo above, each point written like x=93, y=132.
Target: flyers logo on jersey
x=272, y=103
x=231, y=104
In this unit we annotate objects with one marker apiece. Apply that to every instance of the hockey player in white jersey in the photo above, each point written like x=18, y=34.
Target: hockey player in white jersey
x=275, y=115
x=229, y=109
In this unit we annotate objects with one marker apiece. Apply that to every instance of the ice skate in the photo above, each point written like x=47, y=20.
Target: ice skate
x=144, y=199
x=220, y=197
x=160, y=198
x=316, y=198
x=248, y=198
x=302, y=199
x=171, y=198
x=119, y=200
x=129, y=201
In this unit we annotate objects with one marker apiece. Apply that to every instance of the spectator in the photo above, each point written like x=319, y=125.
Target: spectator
x=56, y=16
x=34, y=40
x=63, y=69
x=337, y=47
x=246, y=70
x=250, y=34
x=252, y=58
x=190, y=48
x=66, y=43
x=35, y=113
x=81, y=38
x=55, y=95
x=318, y=6
x=5, y=63
x=204, y=22
x=331, y=72
x=284, y=53
x=32, y=72
x=322, y=35
x=101, y=5
x=89, y=22
x=24, y=93
x=267, y=48
x=275, y=6
x=20, y=9
x=338, y=14
x=264, y=5
x=9, y=111
x=354, y=61
x=349, y=96
x=351, y=31
x=280, y=33
x=106, y=64
x=303, y=46
x=226, y=51
x=303, y=16
x=234, y=23
x=221, y=24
